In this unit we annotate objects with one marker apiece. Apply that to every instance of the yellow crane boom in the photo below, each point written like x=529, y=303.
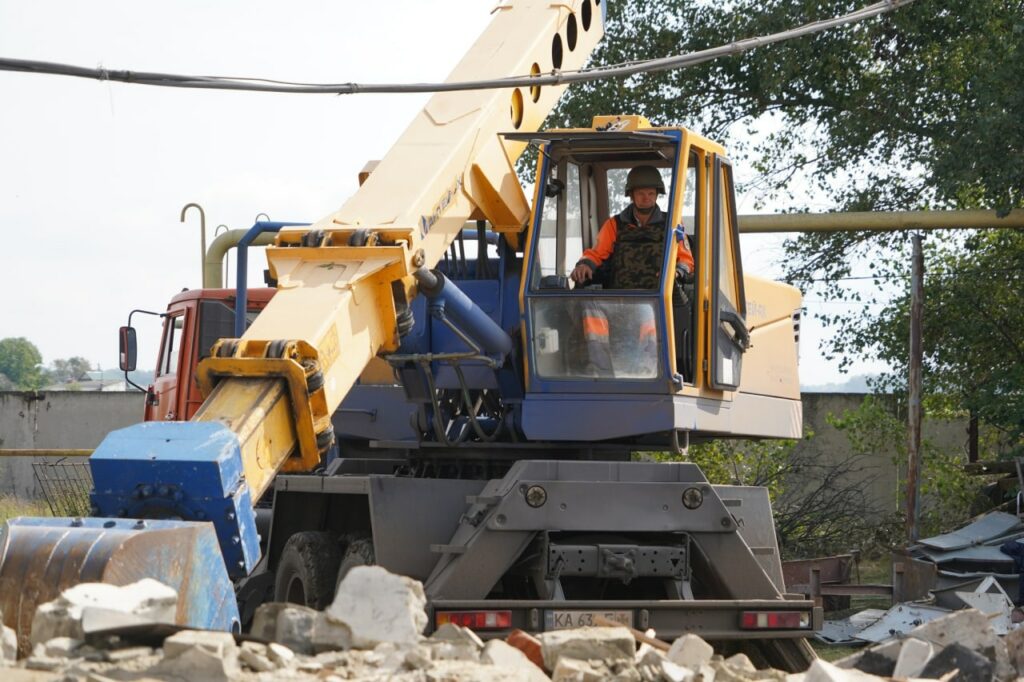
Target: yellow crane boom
x=343, y=282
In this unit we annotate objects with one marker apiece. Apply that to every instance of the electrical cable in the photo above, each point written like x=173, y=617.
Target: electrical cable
x=554, y=78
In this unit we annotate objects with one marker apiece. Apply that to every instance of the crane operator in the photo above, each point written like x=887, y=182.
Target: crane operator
x=632, y=243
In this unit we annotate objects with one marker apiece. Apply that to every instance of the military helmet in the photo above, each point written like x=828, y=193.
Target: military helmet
x=644, y=176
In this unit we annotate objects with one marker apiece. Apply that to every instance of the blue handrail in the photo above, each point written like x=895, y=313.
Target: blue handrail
x=242, y=269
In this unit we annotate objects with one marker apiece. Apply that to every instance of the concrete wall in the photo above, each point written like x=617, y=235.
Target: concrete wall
x=884, y=469
x=66, y=419
x=57, y=419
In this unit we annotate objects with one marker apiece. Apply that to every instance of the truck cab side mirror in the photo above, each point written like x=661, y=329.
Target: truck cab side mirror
x=127, y=349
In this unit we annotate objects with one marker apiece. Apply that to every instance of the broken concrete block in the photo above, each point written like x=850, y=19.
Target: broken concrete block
x=389, y=657
x=690, y=651
x=254, y=655
x=197, y=663
x=453, y=651
x=288, y=624
x=309, y=667
x=146, y=601
x=197, y=654
x=130, y=653
x=8, y=644
x=301, y=629
x=450, y=632
x=40, y=661
x=656, y=668
x=605, y=644
x=740, y=662
x=504, y=655
x=333, y=659
x=455, y=643
x=418, y=657
x=454, y=671
x=379, y=606
x=280, y=654
x=914, y=655
x=823, y=671
x=200, y=654
x=328, y=635
x=61, y=647
x=570, y=669
x=218, y=643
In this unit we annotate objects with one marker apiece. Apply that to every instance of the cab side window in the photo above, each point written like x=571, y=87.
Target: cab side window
x=560, y=241
x=171, y=350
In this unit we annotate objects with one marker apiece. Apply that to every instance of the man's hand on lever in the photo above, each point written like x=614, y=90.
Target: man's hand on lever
x=582, y=273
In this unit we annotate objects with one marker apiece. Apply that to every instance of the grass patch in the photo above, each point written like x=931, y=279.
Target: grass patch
x=11, y=506
x=831, y=652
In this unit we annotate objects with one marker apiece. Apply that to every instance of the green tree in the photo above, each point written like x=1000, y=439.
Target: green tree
x=947, y=491
x=20, y=362
x=974, y=311
x=919, y=108
x=71, y=369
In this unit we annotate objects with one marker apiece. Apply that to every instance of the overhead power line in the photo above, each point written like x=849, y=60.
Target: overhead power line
x=554, y=78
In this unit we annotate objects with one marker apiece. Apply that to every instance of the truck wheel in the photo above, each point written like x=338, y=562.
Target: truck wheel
x=358, y=553
x=306, y=572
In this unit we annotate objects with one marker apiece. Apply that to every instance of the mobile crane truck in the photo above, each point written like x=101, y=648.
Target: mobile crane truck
x=478, y=450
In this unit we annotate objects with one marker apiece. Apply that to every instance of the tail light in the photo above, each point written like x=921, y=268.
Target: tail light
x=476, y=620
x=775, y=620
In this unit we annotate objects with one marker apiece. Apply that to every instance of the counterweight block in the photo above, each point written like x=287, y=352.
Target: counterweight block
x=179, y=470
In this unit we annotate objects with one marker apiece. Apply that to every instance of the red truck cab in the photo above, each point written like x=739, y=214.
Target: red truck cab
x=194, y=321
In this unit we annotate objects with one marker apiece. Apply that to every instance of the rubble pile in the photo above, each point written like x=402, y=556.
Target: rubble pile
x=377, y=637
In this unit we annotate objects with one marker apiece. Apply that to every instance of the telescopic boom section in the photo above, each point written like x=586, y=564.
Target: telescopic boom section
x=343, y=283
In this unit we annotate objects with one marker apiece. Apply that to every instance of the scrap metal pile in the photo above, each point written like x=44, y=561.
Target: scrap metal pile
x=971, y=567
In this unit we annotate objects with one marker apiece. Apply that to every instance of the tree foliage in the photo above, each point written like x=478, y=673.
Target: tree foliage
x=20, y=362
x=973, y=350
x=947, y=491
x=70, y=370
x=919, y=108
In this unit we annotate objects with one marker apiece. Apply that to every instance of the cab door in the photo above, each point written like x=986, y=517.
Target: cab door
x=729, y=335
x=164, y=401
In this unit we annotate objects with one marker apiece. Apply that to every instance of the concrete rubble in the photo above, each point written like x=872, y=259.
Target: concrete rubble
x=381, y=638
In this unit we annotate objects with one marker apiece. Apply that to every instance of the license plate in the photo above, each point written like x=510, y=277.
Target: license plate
x=561, y=620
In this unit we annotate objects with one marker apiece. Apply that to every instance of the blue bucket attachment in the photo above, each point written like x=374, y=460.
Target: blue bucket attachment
x=41, y=557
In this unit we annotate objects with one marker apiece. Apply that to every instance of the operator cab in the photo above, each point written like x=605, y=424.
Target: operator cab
x=581, y=183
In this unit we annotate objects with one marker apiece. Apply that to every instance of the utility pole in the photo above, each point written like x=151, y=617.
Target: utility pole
x=914, y=411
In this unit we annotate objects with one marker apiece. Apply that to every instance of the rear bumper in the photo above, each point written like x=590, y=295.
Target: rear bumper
x=712, y=619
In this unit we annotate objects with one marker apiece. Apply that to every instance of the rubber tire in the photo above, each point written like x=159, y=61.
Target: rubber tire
x=358, y=553
x=305, y=574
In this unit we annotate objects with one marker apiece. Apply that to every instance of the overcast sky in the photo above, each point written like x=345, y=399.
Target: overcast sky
x=93, y=175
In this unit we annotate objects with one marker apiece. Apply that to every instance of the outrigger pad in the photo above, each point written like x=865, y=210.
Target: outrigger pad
x=41, y=557
x=185, y=470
